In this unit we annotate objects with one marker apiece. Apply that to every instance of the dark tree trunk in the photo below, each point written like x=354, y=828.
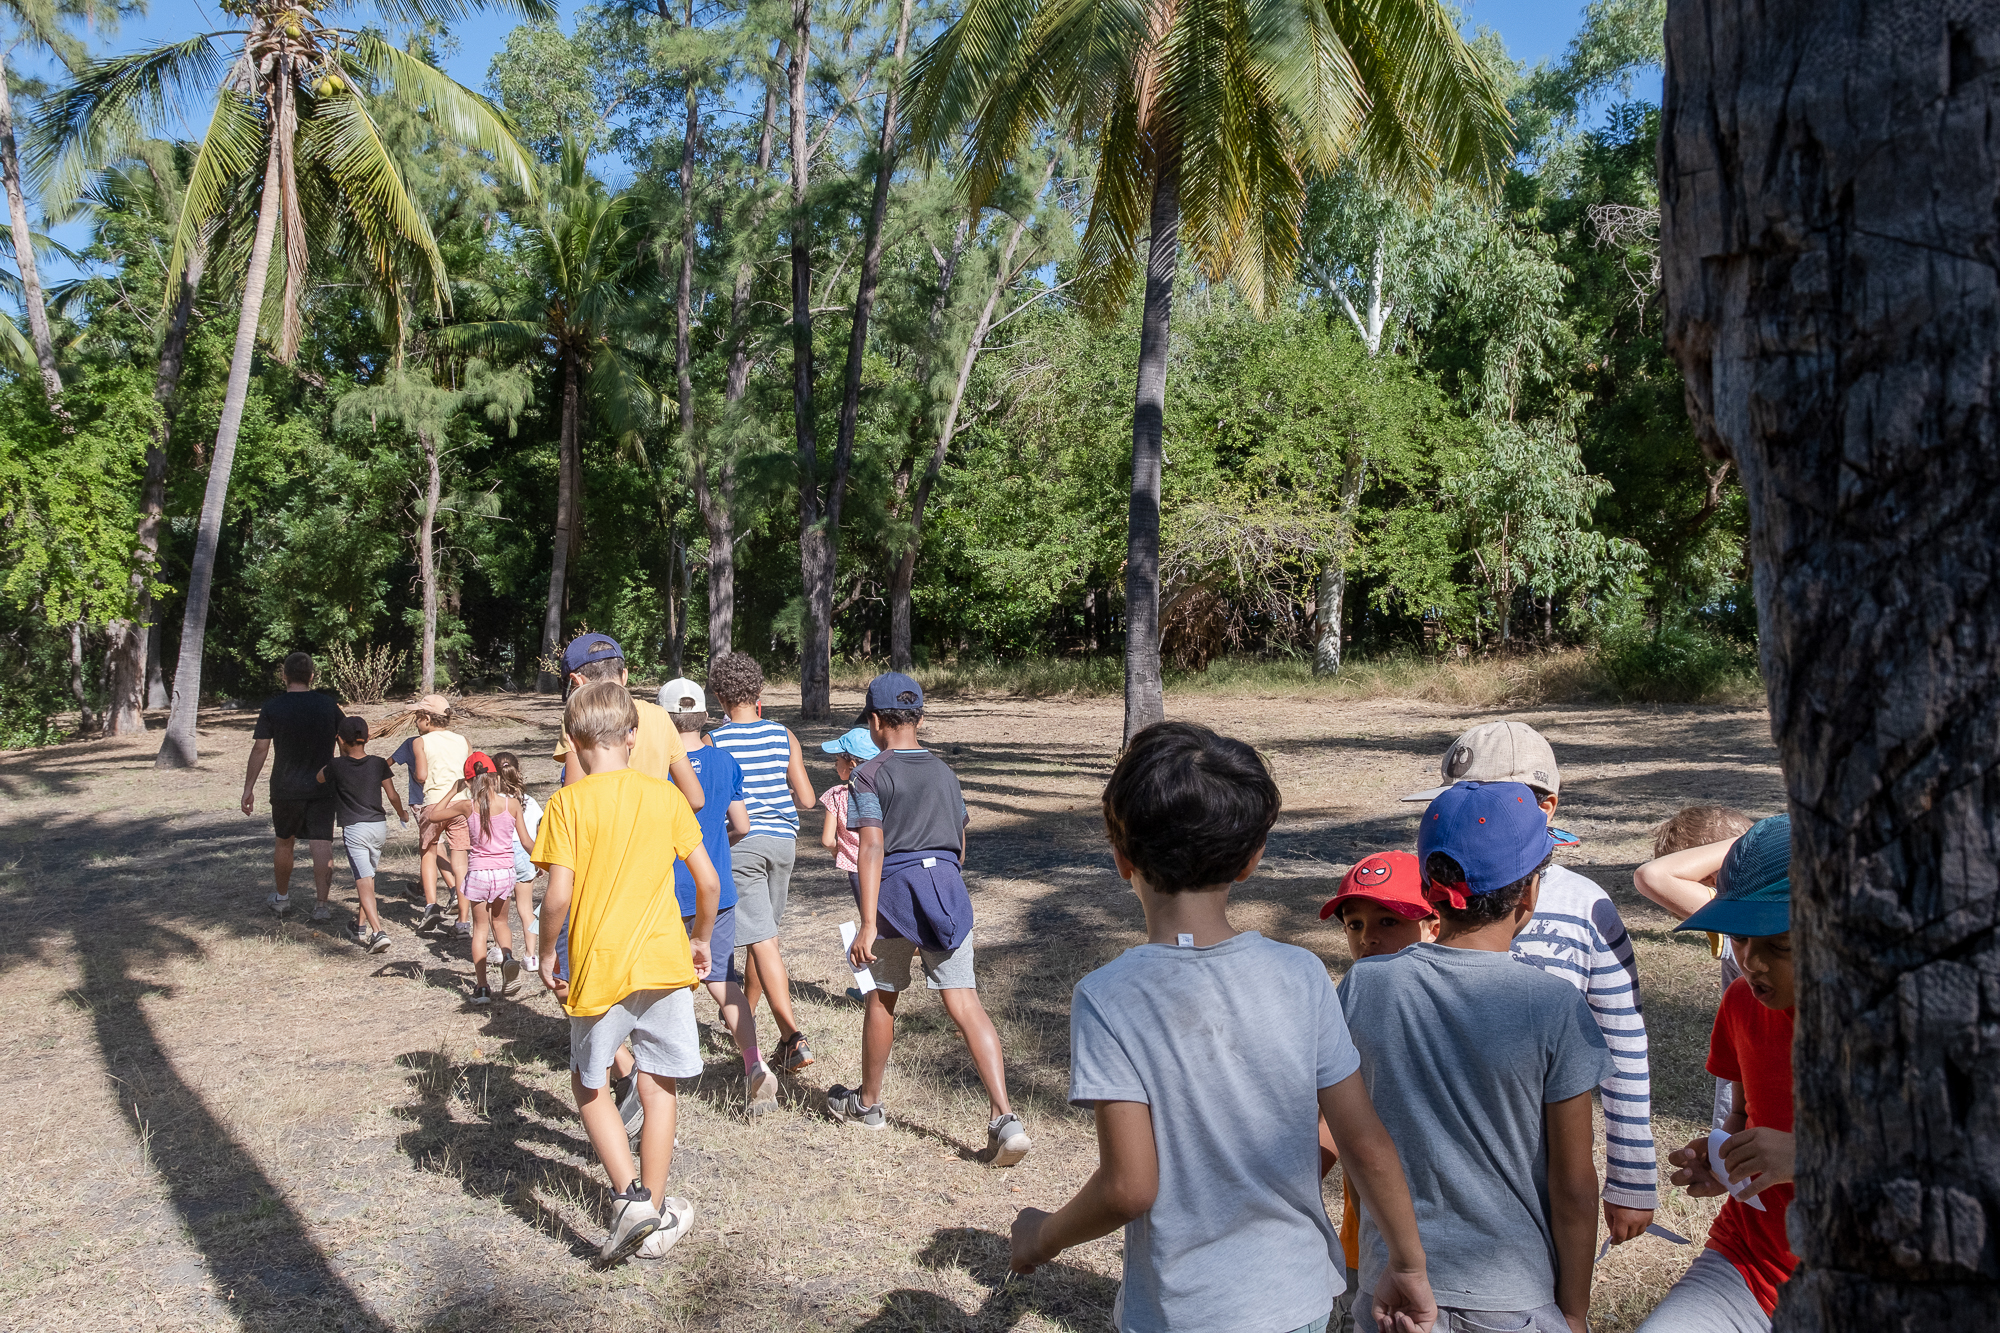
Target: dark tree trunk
x=1145, y=701
x=815, y=542
x=568, y=470
x=1828, y=187
x=156, y=680
x=427, y=565
x=86, y=721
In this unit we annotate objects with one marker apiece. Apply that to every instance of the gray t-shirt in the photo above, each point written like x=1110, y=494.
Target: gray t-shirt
x=913, y=797
x=1461, y=1050
x=1229, y=1046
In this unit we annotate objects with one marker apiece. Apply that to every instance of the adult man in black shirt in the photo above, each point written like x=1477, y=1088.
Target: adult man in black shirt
x=302, y=722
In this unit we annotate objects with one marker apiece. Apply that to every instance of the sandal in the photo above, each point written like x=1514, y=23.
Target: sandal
x=793, y=1053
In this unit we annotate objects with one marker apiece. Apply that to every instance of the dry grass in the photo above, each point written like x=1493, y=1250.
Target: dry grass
x=223, y=1121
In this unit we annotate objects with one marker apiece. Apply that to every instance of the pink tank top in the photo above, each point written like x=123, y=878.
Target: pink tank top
x=492, y=840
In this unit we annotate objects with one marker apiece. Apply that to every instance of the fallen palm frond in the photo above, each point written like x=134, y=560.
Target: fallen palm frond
x=471, y=707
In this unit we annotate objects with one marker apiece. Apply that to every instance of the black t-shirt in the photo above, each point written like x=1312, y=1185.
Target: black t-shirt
x=913, y=797
x=301, y=726
x=356, y=785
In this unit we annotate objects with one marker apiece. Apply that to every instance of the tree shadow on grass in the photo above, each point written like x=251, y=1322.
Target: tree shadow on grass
x=251, y=1239
x=1064, y=1294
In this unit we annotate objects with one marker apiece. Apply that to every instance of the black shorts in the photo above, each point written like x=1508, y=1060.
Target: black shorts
x=311, y=819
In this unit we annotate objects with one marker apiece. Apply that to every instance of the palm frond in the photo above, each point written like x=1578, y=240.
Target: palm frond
x=343, y=139
x=229, y=160
x=462, y=114
x=418, y=13
x=81, y=126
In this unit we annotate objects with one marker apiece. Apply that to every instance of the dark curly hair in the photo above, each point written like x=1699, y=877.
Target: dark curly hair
x=735, y=678
x=892, y=718
x=1481, y=909
x=1188, y=808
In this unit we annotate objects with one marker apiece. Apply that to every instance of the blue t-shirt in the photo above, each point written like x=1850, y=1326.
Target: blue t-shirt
x=721, y=780
x=406, y=755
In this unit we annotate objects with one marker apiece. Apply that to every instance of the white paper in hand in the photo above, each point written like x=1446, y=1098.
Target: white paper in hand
x=864, y=978
x=1716, y=1138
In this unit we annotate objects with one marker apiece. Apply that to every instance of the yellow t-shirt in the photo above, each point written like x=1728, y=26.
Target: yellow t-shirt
x=656, y=747
x=620, y=832
x=445, y=753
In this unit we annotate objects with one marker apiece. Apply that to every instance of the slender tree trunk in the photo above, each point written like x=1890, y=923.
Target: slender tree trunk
x=677, y=597
x=1145, y=701
x=86, y=722
x=1828, y=229
x=178, y=750
x=427, y=564
x=821, y=609
x=815, y=541
x=1331, y=595
x=156, y=681
x=132, y=654
x=24, y=252
x=549, y=681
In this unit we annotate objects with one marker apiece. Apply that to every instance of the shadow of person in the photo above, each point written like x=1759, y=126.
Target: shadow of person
x=1062, y=1294
x=252, y=1241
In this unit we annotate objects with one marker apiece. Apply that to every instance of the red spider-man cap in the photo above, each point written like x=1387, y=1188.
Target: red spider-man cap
x=1387, y=878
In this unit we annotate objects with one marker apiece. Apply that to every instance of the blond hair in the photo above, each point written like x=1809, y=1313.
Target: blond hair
x=600, y=713
x=1698, y=826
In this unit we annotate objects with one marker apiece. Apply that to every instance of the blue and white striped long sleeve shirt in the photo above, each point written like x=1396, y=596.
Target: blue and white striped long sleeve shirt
x=1577, y=935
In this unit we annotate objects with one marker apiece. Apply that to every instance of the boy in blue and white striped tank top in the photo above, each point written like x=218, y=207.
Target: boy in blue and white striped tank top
x=775, y=789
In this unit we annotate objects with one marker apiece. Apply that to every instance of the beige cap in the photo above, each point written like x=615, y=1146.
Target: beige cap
x=434, y=704
x=1498, y=752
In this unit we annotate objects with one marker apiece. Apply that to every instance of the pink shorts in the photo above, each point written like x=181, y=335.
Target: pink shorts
x=489, y=886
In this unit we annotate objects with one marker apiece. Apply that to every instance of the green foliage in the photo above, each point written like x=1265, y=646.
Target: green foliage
x=1676, y=664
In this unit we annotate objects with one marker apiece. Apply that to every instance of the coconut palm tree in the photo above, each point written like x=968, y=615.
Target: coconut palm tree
x=292, y=93
x=1208, y=116
x=585, y=252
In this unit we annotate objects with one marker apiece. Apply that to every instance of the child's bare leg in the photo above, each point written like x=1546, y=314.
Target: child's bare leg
x=364, y=896
x=281, y=865
x=601, y=1121
x=737, y=1016
x=503, y=934
x=427, y=874
x=656, y=1140
x=878, y=1034
x=766, y=973
x=482, y=921
x=623, y=1062
x=458, y=859
x=322, y=855
x=962, y=1003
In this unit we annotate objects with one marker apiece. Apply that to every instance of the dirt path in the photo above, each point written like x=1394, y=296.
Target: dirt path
x=224, y=1121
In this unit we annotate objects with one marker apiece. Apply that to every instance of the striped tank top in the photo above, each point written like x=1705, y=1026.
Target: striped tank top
x=764, y=749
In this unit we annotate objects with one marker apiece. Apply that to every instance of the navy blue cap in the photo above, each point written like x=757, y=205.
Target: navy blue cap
x=893, y=689
x=1496, y=831
x=587, y=648
x=1753, y=890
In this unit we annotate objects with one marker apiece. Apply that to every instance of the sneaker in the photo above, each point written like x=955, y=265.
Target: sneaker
x=846, y=1106
x=277, y=904
x=763, y=1089
x=322, y=911
x=482, y=995
x=633, y=1218
x=626, y=1090
x=676, y=1220
x=464, y=930
x=1007, y=1141
x=359, y=936
x=532, y=963
x=510, y=967
x=433, y=915
x=492, y=954
x=378, y=942
x=793, y=1053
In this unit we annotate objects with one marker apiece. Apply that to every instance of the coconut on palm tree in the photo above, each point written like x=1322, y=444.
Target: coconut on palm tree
x=293, y=92
x=1208, y=117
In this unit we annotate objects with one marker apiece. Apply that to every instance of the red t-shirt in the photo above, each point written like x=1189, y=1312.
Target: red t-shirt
x=1752, y=1045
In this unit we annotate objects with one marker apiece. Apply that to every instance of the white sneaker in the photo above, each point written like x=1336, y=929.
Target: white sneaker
x=632, y=1220
x=676, y=1220
x=492, y=954
x=763, y=1089
x=533, y=964
x=277, y=904
x=465, y=929
x=322, y=911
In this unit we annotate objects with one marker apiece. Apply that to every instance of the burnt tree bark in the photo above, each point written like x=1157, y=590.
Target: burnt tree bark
x=1829, y=183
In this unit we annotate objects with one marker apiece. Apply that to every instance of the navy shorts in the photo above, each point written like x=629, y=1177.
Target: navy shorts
x=721, y=946
x=312, y=820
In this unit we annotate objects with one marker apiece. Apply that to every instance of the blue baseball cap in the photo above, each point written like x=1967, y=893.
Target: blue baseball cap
x=1496, y=831
x=1753, y=890
x=856, y=742
x=587, y=648
x=893, y=689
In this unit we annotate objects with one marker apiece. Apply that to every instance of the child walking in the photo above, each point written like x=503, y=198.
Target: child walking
x=1732, y=1286
x=515, y=785
x=492, y=816
x=775, y=789
x=1687, y=855
x=1482, y=1068
x=359, y=781
x=609, y=840
x=1205, y=1055
x=836, y=832
x=437, y=760
x=911, y=818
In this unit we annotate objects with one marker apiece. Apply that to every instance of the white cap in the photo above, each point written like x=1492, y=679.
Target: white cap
x=683, y=696
x=1503, y=751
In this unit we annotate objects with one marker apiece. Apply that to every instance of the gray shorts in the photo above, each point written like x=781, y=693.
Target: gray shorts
x=1543, y=1319
x=364, y=843
x=944, y=969
x=661, y=1025
x=762, y=867
x=1711, y=1298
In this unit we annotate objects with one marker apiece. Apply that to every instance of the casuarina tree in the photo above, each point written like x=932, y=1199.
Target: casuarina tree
x=1828, y=224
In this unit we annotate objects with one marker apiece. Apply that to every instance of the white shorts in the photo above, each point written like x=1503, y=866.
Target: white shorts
x=661, y=1025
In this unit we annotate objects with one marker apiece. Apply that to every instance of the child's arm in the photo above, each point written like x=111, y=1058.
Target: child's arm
x=862, y=953
x=1674, y=881
x=443, y=812
x=1123, y=1187
x=682, y=773
x=1368, y=1157
x=420, y=768
x=707, y=898
x=1329, y=1151
x=555, y=911
x=1572, y=1203
x=739, y=822
x=395, y=798
x=830, y=826
x=795, y=774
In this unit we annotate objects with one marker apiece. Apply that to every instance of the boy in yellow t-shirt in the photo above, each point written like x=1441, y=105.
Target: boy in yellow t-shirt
x=609, y=841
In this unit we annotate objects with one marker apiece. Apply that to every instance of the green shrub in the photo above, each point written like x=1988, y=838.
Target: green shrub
x=1677, y=664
